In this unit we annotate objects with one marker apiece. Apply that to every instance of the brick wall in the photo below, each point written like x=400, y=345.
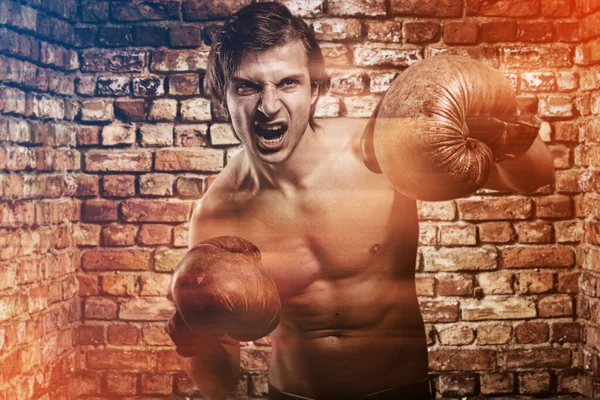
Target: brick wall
x=586, y=168
x=108, y=141
x=39, y=176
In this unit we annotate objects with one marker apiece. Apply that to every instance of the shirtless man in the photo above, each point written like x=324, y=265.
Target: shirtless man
x=338, y=240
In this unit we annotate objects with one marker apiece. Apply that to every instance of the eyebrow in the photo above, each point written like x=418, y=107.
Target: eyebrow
x=237, y=79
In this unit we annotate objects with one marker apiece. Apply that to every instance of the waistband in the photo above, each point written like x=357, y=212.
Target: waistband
x=421, y=390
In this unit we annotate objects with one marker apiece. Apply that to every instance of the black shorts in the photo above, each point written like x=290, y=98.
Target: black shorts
x=422, y=390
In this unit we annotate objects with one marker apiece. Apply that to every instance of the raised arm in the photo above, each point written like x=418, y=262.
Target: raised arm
x=525, y=174
x=211, y=362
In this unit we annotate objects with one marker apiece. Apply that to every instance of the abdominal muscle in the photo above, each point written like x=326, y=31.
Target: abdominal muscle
x=349, y=338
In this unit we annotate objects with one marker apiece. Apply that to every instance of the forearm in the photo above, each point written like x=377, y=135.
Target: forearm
x=216, y=370
x=527, y=173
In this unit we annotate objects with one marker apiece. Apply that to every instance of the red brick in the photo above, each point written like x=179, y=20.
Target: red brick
x=456, y=335
x=118, y=186
x=119, y=285
x=156, y=384
x=494, y=209
x=123, y=334
x=377, y=55
x=566, y=332
x=501, y=308
x=537, y=82
x=90, y=335
x=443, y=210
x=458, y=234
x=496, y=282
x=122, y=383
x=460, y=33
x=493, y=334
x=421, y=32
x=567, y=31
x=162, y=110
x=427, y=234
x=99, y=210
x=455, y=285
x=498, y=31
x=184, y=84
x=119, y=235
x=534, y=31
x=338, y=29
x=425, y=286
x=100, y=308
x=537, y=56
x=130, y=109
x=350, y=82
x=537, y=256
x=141, y=210
x=155, y=335
x=568, y=282
x=155, y=234
x=460, y=259
x=567, y=181
x=146, y=309
x=203, y=159
x=536, y=357
x=168, y=361
x=384, y=31
x=534, y=382
x=510, y=8
x=356, y=8
x=462, y=360
x=457, y=385
x=154, y=285
x=109, y=359
x=178, y=60
x=535, y=282
x=439, y=311
x=185, y=36
x=335, y=54
x=497, y=383
x=116, y=260
x=562, y=156
x=149, y=86
x=534, y=232
x=496, y=232
x=560, y=305
x=556, y=8
x=190, y=135
x=428, y=8
x=559, y=105
x=532, y=332
x=87, y=135
x=118, y=160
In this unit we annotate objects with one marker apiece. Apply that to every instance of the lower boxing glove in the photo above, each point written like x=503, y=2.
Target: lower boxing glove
x=220, y=287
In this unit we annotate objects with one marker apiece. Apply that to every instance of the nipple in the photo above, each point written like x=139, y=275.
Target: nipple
x=374, y=248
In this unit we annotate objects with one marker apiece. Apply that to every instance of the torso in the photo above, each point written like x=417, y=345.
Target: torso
x=343, y=257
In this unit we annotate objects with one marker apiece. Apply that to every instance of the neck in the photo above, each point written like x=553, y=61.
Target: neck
x=298, y=171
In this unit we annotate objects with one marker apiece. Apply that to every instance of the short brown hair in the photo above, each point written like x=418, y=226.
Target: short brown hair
x=257, y=27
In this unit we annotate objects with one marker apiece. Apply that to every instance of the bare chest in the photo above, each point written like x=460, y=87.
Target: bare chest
x=329, y=235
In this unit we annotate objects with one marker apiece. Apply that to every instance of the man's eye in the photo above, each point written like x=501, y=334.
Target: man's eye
x=244, y=89
x=289, y=82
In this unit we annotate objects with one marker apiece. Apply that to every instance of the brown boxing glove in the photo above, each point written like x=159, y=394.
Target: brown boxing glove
x=220, y=287
x=441, y=126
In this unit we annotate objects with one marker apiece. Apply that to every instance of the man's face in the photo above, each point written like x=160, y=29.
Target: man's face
x=269, y=101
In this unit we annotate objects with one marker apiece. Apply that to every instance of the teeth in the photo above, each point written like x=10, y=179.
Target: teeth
x=270, y=127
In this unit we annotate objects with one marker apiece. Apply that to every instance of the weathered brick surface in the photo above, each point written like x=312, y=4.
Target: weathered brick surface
x=101, y=102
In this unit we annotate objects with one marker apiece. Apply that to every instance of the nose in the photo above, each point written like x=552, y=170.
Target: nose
x=269, y=102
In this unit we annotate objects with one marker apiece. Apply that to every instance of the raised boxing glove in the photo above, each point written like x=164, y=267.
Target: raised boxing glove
x=441, y=126
x=221, y=287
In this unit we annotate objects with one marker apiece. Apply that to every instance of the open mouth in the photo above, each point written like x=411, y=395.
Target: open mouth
x=270, y=136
